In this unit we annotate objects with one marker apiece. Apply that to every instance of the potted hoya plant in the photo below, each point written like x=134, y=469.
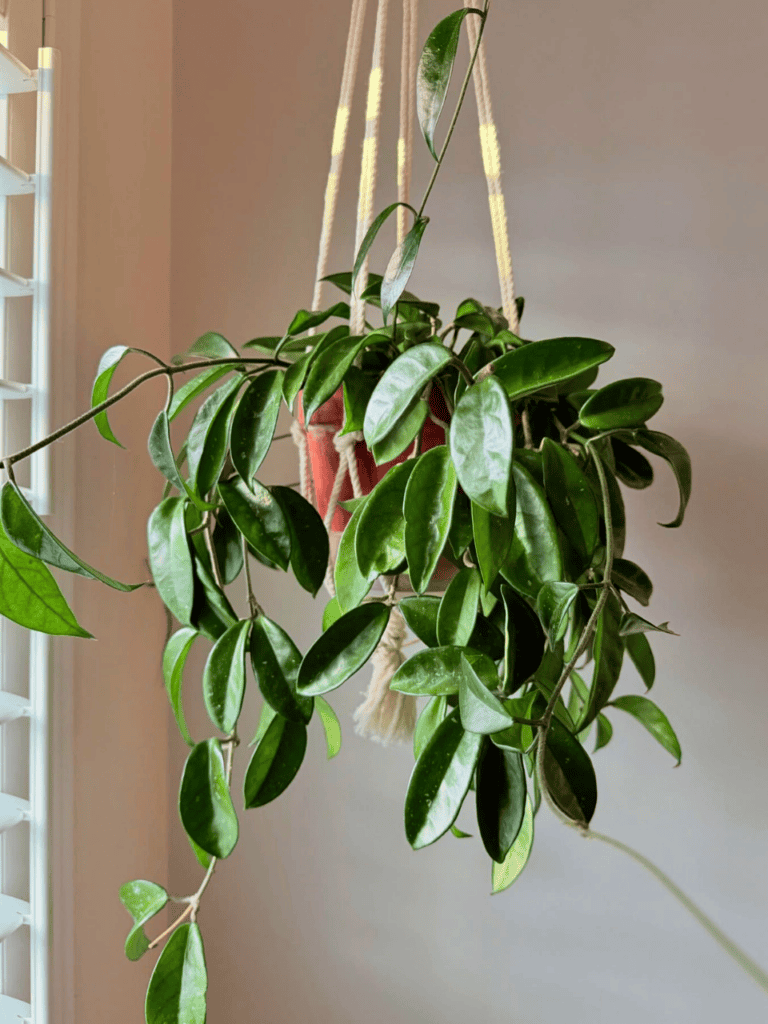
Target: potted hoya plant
x=466, y=486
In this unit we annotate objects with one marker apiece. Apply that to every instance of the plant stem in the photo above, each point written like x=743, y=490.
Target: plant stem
x=525, y=419
x=253, y=604
x=208, y=536
x=457, y=111
x=172, y=928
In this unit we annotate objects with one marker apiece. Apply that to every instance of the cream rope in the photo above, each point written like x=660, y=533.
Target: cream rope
x=386, y=715
x=408, y=64
x=489, y=144
x=368, y=167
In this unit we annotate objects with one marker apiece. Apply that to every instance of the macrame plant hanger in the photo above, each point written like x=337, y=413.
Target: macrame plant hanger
x=385, y=715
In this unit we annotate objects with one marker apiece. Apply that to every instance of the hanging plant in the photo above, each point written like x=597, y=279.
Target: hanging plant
x=476, y=472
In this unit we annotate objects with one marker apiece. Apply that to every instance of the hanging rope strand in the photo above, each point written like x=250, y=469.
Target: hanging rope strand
x=408, y=62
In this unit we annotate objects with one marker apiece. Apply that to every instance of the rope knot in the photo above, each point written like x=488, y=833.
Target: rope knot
x=344, y=443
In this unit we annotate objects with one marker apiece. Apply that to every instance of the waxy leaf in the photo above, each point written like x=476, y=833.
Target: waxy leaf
x=276, y=660
x=29, y=533
x=571, y=499
x=608, y=653
x=208, y=439
x=543, y=363
x=503, y=875
x=428, y=508
x=400, y=267
x=434, y=74
x=358, y=388
x=170, y=559
x=370, y=237
x=351, y=584
x=420, y=614
x=164, y=460
x=331, y=613
x=224, y=677
x=142, y=900
x=427, y=722
x=205, y=805
x=195, y=387
x=402, y=434
x=672, y=452
x=481, y=441
x=604, y=732
x=632, y=580
x=632, y=467
x=534, y=557
x=331, y=726
x=439, y=672
x=212, y=613
x=108, y=363
x=306, y=319
x=641, y=654
x=294, y=378
x=460, y=533
x=343, y=649
x=553, y=606
x=403, y=381
x=631, y=624
x=458, y=609
x=327, y=372
x=174, y=657
x=254, y=422
x=523, y=640
x=275, y=761
x=501, y=796
x=258, y=516
x=624, y=403
x=179, y=982
x=440, y=781
x=493, y=540
x=654, y=720
x=309, y=539
x=480, y=710
x=569, y=775
x=228, y=547
x=210, y=345
x=380, y=535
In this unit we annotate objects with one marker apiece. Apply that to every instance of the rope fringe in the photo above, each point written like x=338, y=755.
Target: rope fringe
x=385, y=715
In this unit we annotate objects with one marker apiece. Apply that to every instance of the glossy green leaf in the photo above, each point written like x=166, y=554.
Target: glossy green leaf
x=523, y=640
x=604, y=732
x=623, y=403
x=553, y=606
x=357, y=390
x=259, y=517
x=190, y=391
x=569, y=775
x=403, y=434
x=571, y=499
x=210, y=345
x=309, y=539
x=457, y=614
x=435, y=70
x=427, y=722
x=501, y=797
x=519, y=736
x=631, y=624
x=543, y=363
x=254, y=422
x=675, y=455
x=380, y=535
x=174, y=657
x=331, y=727
x=480, y=710
x=632, y=580
x=276, y=759
x=351, y=584
x=170, y=559
x=208, y=439
x=440, y=781
x=179, y=982
x=504, y=875
x=420, y=614
x=276, y=660
x=227, y=544
x=306, y=319
x=428, y=508
x=493, y=540
x=163, y=458
x=205, y=804
x=370, y=237
x=29, y=533
x=432, y=672
x=460, y=533
x=400, y=267
x=632, y=467
x=224, y=677
x=608, y=653
x=639, y=650
x=142, y=900
x=534, y=557
x=327, y=372
x=403, y=381
x=294, y=378
x=343, y=649
x=108, y=363
x=212, y=613
x=653, y=719
x=456, y=831
x=481, y=441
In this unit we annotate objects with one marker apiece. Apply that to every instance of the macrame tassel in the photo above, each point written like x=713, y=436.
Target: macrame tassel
x=387, y=716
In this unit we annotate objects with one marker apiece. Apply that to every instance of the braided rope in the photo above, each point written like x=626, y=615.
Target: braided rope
x=408, y=65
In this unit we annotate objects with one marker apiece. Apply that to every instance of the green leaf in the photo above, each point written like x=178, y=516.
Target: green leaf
x=434, y=74
x=294, y=378
x=438, y=672
x=331, y=613
x=420, y=614
x=608, y=653
x=440, y=781
x=675, y=455
x=179, y=982
x=29, y=533
x=458, y=609
x=553, y=606
x=331, y=727
x=268, y=714
x=205, y=805
x=481, y=440
x=309, y=539
x=641, y=654
x=428, y=508
x=402, y=434
x=170, y=559
x=653, y=719
x=195, y=387
x=427, y=722
x=142, y=900
x=631, y=624
x=212, y=613
x=534, y=558
x=380, y=535
x=501, y=798
x=569, y=775
x=632, y=580
x=208, y=439
x=402, y=382
x=306, y=319
x=604, y=732
x=543, y=363
x=632, y=467
x=328, y=371
x=259, y=518
x=351, y=584
x=523, y=640
x=254, y=422
x=203, y=859
x=210, y=346
x=400, y=267
x=343, y=649
x=275, y=762
x=456, y=831
x=503, y=875
x=227, y=545
x=163, y=458
x=267, y=344
x=571, y=499
x=358, y=388
x=370, y=238
x=174, y=657
x=224, y=677
x=460, y=534
x=275, y=660
x=108, y=363
x=624, y=403
x=493, y=540
x=480, y=710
